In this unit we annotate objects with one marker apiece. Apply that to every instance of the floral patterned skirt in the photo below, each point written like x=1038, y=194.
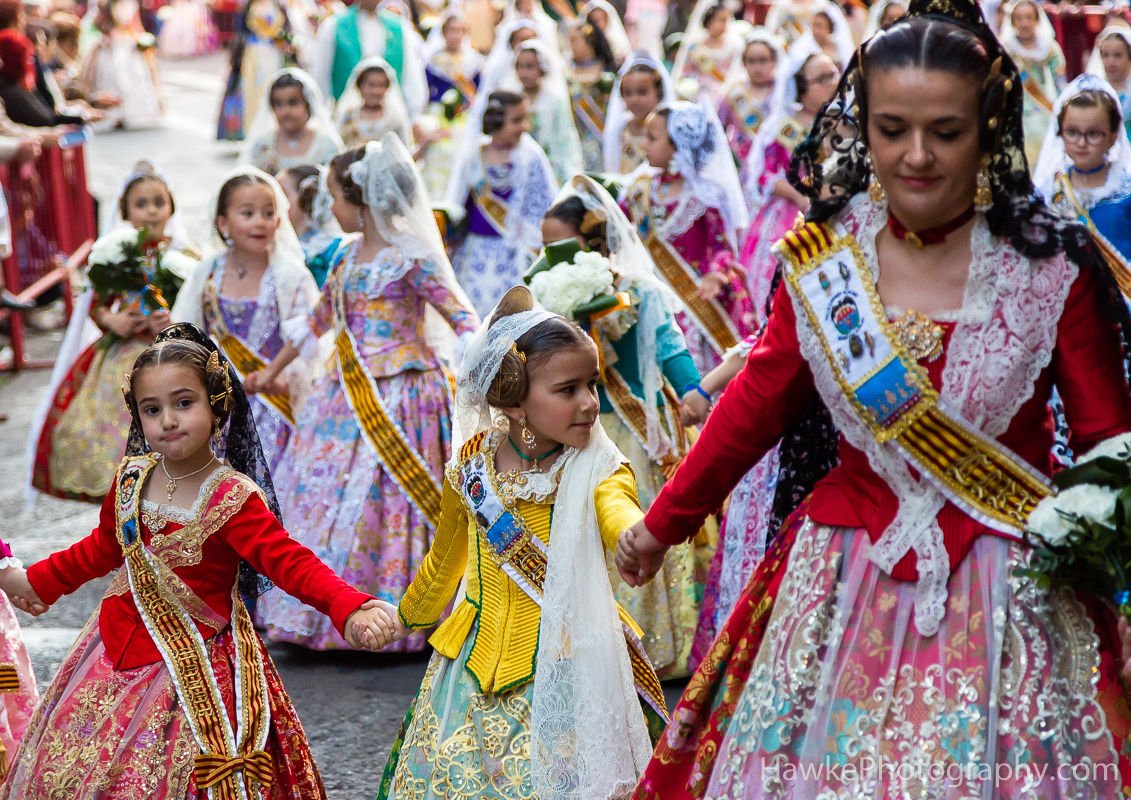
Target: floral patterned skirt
x=773, y=221
x=667, y=607
x=825, y=689
x=338, y=500
x=105, y=734
x=84, y=434
x=742, y=543
x=486, y=267
x=459, y=742
x=16, y=707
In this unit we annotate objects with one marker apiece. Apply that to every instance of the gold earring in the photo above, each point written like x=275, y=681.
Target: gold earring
x=216, y=433
x=875, y=189
x=983, y=194
x=528, y=440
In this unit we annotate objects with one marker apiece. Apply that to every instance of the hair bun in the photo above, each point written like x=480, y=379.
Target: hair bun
x=516, y=300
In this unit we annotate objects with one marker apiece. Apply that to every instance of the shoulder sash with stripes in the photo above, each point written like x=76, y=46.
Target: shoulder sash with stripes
x=240, y=353
x=402, y=462
x=522, y=555
x=709, y=315
x=630, y=409
x=892, y=393
x=228, y=759
x=586, y=108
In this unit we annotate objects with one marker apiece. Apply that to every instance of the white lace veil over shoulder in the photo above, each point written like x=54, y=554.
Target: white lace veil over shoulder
x=618, y=115
x=704, y=160
x=264, y=124
x=583, y=678
x=395, y=110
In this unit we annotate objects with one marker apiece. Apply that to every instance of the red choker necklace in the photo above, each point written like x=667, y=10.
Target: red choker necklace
x=935, y=235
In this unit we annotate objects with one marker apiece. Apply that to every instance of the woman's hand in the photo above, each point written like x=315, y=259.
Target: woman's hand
x=712, y=285
x=639, y=555
x=256, y=382
x=370, y=627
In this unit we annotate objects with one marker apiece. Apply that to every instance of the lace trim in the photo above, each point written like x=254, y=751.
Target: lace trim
x=688, y=208
x=186, y=515
x=540, y=487
x=1004, y=337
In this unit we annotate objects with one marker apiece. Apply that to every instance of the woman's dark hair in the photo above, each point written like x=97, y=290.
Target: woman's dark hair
x=224, y=198
x=495, y=114
x=512, y=381
x=287, y=81
x=600, y=43
x=651, y=72
x=1092, y=98
x=376, y=68
x=137, y=180
x=590, y=225
x=400, y=173
x=1122, y=40
x=186, y=354
x=717, y=8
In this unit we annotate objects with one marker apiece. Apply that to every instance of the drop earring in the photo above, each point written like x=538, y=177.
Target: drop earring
x=875, y=189
x=360, y=219
x=983, y=193
x=216, y=440
x=527, y=435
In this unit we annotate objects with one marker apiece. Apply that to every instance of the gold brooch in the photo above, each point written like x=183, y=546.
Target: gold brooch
x=919, y=336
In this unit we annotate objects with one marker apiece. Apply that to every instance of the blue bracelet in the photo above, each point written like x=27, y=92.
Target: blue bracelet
x=697, y=388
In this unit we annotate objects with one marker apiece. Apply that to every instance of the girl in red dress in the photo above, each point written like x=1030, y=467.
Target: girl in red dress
x=168, y=692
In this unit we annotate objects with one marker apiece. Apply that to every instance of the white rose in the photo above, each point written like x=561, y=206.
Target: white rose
x=108, y=249
x=1115, y=447
x=178, y=263
x=1089, y=502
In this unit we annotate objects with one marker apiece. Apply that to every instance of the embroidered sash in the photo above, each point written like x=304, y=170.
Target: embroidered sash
x=630, y=409
x=590, y=113
x=240, y=353
x=522, y=555
x=892, y=393
x=227, y=760
x=1066, y=201
x=709, y=315
x=1034, y=90
x=492, y=206
x=746, y=110
x=402, y=462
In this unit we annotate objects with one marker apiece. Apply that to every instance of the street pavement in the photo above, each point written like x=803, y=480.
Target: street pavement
x=351, y=704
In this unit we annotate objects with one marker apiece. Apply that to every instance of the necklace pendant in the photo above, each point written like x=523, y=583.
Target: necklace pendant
x=913, y=239
x=171, y=489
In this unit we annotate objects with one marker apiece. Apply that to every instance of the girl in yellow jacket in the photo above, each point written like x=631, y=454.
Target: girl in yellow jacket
x=539, y=686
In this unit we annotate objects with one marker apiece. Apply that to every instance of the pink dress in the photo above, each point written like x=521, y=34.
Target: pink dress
x=775, y=215
x=337, y=497
x=698, y=234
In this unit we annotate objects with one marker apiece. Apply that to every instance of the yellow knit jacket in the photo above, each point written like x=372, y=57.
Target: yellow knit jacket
x=506, y=641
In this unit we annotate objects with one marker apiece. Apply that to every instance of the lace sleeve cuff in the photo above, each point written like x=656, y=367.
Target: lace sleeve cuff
x=298, y=334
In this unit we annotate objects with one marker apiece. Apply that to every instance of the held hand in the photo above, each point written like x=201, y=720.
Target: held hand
x=255, y=382
x=368, y=627
x=639, y=555
x=712, y=285
x=158, y=321
x=278, y=386
x=693, y=408
x=124, y=323
x=15, y=584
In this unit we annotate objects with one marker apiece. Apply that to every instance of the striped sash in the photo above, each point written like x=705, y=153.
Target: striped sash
x=710, y=315
x=630, y=409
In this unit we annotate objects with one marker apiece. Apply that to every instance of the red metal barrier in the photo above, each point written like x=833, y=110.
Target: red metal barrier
x=52, y=218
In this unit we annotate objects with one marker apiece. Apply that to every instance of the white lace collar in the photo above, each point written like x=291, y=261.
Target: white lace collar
x=185, y=515
x=539, y=487
x=1003, y=338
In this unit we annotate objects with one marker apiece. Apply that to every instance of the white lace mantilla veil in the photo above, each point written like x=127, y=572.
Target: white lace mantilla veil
x=695, y=33
x=1095, y=59
x=265, y=126
x=434, y=44
x=876, y=13
x=842, y=34
x=1054, y=159
x=1046, y=34
x=403, y=217
x=618, y=115
x=629, y=259
x=783, y=103
x=583, y=679
x=615, y=33
x=395, y=110
x=81, y=331
x=703, y=158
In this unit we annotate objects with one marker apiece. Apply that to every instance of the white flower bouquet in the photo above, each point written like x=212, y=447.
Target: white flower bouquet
x=569, y=285
x=126, y=263
x=1081, y=537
